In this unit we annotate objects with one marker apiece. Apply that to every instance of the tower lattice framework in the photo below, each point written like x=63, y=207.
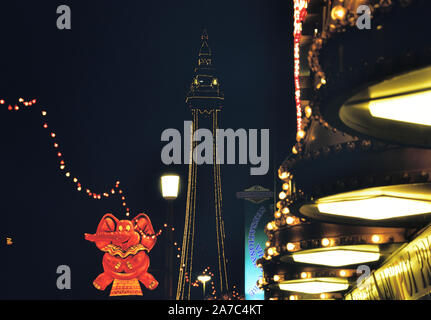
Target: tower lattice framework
x=204, y=99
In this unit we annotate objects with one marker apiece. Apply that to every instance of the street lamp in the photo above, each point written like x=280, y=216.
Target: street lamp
x=170, y=185
x=204, y=278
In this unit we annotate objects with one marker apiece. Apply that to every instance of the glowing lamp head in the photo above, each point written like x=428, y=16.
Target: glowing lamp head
x=204, y=278
x=170, y=186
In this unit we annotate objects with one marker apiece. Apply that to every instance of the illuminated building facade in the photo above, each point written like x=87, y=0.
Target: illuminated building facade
x=356, y=187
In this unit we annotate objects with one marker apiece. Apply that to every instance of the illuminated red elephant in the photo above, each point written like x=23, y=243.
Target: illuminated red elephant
x=126, y=243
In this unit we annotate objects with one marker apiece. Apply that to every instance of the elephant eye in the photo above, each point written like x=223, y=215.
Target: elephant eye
x=120, y=228
x=128, y=228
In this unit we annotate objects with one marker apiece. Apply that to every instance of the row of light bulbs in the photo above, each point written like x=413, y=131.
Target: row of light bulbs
x=272, y=251
x=79, y=187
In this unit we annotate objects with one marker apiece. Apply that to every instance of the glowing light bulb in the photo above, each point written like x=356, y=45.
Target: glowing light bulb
x=325, y=242
x=300, y=135
x=282, y=195
x=376, y=238
x=290, y=220
x=290, y=246
x=283, y=175
x=338, y=13
x=285, y=210
x=308, y=111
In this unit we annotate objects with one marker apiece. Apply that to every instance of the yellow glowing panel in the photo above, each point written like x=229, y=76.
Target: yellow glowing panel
x=339, y=256
x=376, y=208
x=315, y=285
x=412, y=108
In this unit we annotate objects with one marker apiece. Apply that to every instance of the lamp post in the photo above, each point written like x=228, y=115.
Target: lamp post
x=204, y=278
x=170, y=185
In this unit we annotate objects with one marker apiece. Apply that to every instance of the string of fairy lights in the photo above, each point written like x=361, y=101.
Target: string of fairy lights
x=299, y=13
x=63, y=165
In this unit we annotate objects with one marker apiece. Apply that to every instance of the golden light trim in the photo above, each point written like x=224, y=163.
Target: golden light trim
x=412, y=108
x=339, y=256
x=315, y=285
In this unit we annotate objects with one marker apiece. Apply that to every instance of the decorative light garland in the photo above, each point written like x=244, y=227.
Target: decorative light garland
x=62, y=164
x=299, y=13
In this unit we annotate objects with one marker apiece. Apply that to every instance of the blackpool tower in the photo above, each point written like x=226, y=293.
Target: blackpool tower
x=204, y=196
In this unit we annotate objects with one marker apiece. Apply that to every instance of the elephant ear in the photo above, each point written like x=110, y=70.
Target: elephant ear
x=143, y=225
x=108, y=223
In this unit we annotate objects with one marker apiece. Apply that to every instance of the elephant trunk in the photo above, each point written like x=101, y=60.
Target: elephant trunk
x=107, y=236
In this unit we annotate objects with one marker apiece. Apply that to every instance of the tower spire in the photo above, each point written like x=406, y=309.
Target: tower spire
x=205, y=56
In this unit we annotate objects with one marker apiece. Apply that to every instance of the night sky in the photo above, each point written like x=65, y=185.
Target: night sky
x=111, y=85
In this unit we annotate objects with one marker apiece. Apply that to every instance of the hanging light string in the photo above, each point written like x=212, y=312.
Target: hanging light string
x=299, y=13
x=109, y=192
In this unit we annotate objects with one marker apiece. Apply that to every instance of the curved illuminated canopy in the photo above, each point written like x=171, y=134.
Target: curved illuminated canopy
x=315, y=285
x=379, y=203
x=339, y=256
x=397, y=109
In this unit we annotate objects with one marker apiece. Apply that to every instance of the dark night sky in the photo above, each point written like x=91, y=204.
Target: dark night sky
x=111, y=85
